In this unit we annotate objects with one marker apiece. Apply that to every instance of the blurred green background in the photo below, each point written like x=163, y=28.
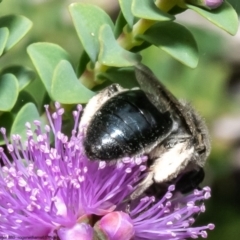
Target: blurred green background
x=213, y=88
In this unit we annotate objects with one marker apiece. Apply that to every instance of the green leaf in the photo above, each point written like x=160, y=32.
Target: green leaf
x=126, y=6
x=28, y=113
x=225, y=17
x=174, y=39
x=6, y=120
x=8, y=91
x=119, y=25
x=23, y=98
x=103, y=85
x=45, y=57
x=18, y=26
x=141, y=47
x=66, y=88
x=148, y=10
x=111, y=53
x=123, y=76
x=176, y=10
x=87, y=20
x=38, y=92
x=4, y=33
x=23, y=74
x=82, y=65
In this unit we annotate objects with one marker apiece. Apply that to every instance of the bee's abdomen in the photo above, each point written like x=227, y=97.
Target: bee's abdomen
x=124, y=125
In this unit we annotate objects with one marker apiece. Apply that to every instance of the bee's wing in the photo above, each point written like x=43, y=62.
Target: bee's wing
x=165, y=101
x=158, y=94
x=154, y=89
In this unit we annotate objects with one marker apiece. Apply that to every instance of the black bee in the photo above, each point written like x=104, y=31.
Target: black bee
x=149, y=121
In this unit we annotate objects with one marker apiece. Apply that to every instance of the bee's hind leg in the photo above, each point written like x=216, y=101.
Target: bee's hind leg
x=142, y=186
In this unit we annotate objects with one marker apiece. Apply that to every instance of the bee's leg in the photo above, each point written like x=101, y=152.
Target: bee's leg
x=128, y=208
x=190, y=180
x=169, y=160
x=143, y=186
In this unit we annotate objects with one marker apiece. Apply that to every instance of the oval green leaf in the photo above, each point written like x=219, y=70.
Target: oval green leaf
x=119, y=25
x=225, y=17
x=123, y=76
x=4, y=33
x=111, y=53
x=174, y=39
x=148, y=10
x=87, y=20
x=38, y=92
x=6, y=120
x=28, y=113
x=82, y=64
x=66, y=88
x=8, y=92
x=126, y=9
x=23, y=98
x=18, y=26
x=24, y=75
x=45, y=57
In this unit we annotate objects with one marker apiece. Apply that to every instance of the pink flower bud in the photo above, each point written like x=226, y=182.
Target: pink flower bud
x=208, y=4
x=115, y=226
x=78, y=231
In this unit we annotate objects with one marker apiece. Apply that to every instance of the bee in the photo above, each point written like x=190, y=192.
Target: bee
x=148, y=121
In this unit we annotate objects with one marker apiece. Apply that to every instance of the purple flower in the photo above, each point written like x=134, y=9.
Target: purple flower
x=54, y=190
x=208, y=4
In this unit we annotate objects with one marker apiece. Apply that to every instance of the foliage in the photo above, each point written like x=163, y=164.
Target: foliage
x=13, y=79
x=142, y=30
x=109, y=50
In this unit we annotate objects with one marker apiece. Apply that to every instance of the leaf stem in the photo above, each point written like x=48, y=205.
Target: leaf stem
x=127, y=40
x=166, y=5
